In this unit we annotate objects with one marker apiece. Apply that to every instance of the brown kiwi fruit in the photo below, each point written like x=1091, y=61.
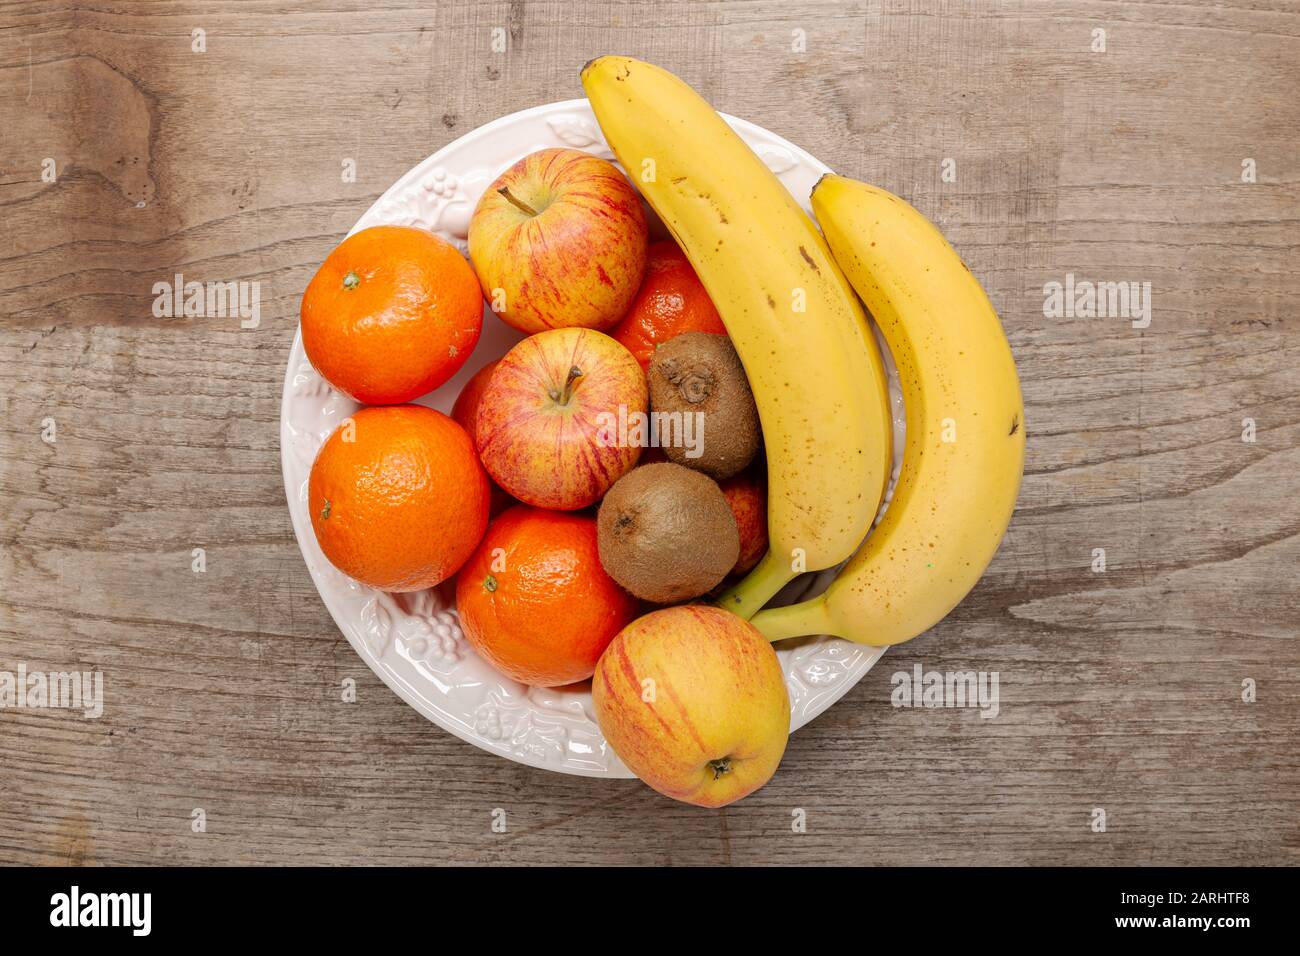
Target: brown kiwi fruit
x=666, y=533
x=701, y=372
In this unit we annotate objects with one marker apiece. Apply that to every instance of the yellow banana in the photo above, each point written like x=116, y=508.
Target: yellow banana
x=965, y=448
x=812, y=363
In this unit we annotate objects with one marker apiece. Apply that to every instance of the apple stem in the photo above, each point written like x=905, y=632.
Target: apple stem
x=575, y=373
x=518, y=203
x=720, y=767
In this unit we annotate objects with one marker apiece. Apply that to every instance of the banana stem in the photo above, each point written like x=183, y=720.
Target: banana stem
x=757, y=588
x=796, y=620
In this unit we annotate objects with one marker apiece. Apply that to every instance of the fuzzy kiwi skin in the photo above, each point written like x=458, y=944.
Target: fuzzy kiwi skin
x=701, y=372
x=666, y=533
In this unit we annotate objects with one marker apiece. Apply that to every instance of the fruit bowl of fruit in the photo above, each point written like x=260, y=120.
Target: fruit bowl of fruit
x=582, y=419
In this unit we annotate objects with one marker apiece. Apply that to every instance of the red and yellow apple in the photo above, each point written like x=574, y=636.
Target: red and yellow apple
x=559, y=240
x=693, y=699
x=465, y=412
x=547, y=419
x=465, y=409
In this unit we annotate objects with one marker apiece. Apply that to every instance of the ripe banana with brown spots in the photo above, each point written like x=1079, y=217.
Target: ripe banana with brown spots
x=812, y=363
x=964, y=452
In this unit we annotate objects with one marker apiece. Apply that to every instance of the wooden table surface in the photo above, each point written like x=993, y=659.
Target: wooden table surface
x=1121, y=689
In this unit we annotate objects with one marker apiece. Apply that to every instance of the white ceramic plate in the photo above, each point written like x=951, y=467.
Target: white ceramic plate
x=413, y=641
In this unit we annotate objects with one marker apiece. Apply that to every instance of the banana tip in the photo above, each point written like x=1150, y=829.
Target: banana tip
x=820, y=179
x=586, y=67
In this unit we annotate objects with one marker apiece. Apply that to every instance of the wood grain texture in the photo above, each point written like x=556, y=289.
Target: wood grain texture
x=1119, y=690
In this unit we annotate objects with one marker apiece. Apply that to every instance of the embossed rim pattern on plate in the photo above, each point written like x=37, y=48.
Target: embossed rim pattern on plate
x=413, y=642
